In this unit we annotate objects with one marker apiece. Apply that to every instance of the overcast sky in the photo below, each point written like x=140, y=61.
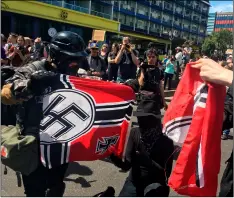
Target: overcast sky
x=221, y=6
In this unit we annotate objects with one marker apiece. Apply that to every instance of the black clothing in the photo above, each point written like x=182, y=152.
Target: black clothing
x=45, y=182
x=112, y=68
x=41, y=179
x=127, y=69
x=168, y=77
x=226, y=186
x=148, y=154
x=96, y=64
x=105, y=58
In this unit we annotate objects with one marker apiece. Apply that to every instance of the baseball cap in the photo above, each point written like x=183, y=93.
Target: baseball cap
x=94, y=46
x=148, y=106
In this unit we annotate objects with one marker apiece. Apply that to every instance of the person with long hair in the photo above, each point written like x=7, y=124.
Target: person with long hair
x=112, y=66
x=169, y=72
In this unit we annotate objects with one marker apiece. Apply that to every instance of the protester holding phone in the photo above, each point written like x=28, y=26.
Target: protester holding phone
x=127, y=60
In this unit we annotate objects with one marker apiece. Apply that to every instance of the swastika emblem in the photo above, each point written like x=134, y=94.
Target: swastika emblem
x=67, y=115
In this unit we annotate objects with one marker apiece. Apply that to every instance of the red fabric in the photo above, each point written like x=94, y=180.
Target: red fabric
x=204, y=133
x=103, y=92
x=111, y=111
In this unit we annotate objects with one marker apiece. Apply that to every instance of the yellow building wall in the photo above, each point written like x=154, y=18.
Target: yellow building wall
x=51, y=12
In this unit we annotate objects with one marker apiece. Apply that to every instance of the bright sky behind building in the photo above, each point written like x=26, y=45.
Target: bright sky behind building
x=221, y=6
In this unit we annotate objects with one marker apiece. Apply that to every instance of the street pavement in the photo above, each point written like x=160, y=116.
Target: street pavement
x=90, y=178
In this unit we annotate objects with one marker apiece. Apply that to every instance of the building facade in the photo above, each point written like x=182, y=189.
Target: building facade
x=224, y=20
x=211, y=23
x=153, y=20
x=152, y=17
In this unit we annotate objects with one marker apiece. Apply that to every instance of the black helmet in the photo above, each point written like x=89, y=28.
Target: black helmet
x=68, y=43
x=66, y=47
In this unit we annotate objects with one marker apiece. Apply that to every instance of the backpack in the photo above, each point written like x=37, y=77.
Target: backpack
x=19, y=152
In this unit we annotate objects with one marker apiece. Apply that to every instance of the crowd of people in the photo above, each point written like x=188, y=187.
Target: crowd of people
x=148, y=150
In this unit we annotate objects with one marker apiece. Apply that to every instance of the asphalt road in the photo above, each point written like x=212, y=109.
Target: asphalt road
x=89, y=178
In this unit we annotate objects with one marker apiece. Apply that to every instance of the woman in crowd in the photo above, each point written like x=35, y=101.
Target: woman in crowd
x=169, y=73
x=104, y=53
x=112, y=66
x=18, y=53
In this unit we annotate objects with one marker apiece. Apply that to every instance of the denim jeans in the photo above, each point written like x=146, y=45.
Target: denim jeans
x=226, y=132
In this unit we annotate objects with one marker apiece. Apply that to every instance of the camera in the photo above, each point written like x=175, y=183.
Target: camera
x=146, y=66
x=127, y=46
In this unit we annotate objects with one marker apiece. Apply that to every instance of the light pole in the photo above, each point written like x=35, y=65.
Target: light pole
x=172, y=35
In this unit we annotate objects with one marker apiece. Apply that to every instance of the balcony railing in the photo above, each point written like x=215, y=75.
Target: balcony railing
x=103, y=15
x=68, y=6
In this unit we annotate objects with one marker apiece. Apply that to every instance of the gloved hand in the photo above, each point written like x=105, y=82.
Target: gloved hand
x=41, y=80
x=7, y=97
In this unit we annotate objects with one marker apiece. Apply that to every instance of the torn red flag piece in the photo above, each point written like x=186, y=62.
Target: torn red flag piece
x=194, y=118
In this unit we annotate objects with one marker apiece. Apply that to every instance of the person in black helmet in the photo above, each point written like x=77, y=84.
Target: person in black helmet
x=65, y=49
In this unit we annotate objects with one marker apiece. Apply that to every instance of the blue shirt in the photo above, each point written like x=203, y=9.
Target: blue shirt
x=169, y=68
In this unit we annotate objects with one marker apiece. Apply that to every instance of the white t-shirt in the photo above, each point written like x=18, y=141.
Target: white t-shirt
x=179, y=57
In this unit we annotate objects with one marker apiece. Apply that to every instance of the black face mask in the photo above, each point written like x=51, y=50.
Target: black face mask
x=37, y=46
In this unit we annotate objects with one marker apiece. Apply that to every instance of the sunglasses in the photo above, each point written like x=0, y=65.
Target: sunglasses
x=95, y=49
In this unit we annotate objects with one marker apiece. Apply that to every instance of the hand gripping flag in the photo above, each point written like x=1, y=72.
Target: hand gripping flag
x=194, y=118
x=83, y=120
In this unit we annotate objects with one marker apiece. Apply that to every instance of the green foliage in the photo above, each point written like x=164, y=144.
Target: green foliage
x=217, y=41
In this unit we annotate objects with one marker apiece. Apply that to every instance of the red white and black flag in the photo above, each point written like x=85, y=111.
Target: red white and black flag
x=83, y=120
x=194, y=118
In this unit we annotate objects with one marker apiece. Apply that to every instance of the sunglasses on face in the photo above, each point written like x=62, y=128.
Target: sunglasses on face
x=94, y=49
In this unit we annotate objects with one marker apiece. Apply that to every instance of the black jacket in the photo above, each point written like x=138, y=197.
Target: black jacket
x=29, y=113
x=147, y=168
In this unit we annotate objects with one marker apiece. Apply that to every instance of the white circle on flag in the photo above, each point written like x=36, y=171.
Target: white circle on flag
x=68, y=114
x=52, y=32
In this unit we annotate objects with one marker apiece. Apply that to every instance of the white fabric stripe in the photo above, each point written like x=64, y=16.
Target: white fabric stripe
x=114, y=108
x=68, y=151
x=179, y=134
x=129, y=117
x=61, y=79
x=42, y=155
x=48, y=156
x=177, y=124
x=106, y=121
x=200, y=167
x=115, y=103
x=176, y=119
x=62, y=154
x=201, y=104
x=105, y=126
x=68, y=80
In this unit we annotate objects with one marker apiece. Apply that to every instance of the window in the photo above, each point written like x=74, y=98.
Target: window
x=115, y=16
x=129, y=21
x=179, y=10
x=154, y=27
x=142, y=10
x=141, y=24
x=168, y=5
x=155, y=14
x=122, y=18
x=157, y=2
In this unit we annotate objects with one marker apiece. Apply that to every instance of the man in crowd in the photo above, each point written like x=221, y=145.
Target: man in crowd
x=179, y=59
x=96, y=64
x=21, y=85
x=127, y=60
